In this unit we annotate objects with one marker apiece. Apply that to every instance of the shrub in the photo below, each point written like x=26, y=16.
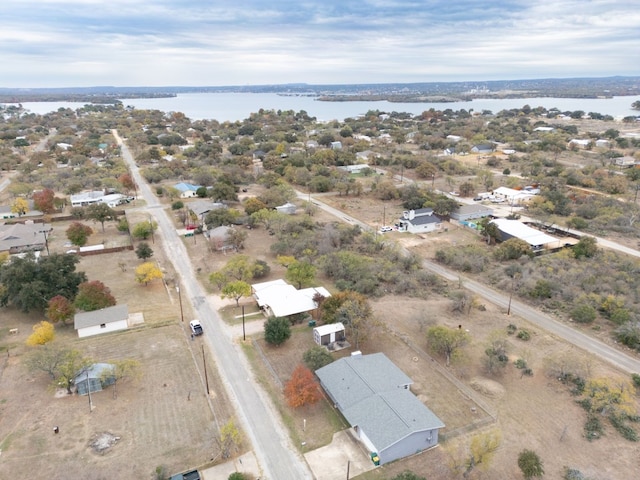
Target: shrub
x=593, y=428
x=520, y=363
x=572, y=474
x=177, y=205
x=623, y=429
x=524, y=335
x=620, y=316
x=238, y=476
x=542, y=290
x=636, y=379
x=316, y=357
x=583, y=313
x=277, y=330
x=511, y=329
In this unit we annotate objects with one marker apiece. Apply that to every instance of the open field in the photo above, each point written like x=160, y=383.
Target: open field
x=160, y=423
x=162, y=418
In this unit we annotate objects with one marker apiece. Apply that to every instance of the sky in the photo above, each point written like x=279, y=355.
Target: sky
x=81, y=43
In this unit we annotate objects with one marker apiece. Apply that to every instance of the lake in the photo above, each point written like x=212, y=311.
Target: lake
x=238, y=106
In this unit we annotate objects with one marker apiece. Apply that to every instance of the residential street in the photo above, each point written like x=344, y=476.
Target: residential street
x=276, y=455
x=610, y=354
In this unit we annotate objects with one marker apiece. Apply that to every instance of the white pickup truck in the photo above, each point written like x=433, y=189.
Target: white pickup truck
x=196, y=327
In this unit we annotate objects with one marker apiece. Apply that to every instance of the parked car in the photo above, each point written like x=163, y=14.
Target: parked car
x=196, y=327
x=477, y=199
x=386, y=229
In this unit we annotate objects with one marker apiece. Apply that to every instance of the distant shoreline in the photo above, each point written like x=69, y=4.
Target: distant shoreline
x=426, y=92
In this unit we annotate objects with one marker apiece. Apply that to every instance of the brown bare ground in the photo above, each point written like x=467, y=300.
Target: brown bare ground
x=155, y=423
x=162, y=418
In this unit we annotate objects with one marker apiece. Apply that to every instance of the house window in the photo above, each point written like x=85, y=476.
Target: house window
x=103, y=325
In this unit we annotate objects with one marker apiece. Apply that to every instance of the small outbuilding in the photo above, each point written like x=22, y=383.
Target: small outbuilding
x=469, y=212
x=105, y=320
x=94, y=378
x=328, y=334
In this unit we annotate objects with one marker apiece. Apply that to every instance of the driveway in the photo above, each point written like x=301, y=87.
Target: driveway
x=344, y=451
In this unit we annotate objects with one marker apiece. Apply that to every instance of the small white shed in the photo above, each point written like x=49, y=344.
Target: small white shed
x=330, y=333
x=108, y=319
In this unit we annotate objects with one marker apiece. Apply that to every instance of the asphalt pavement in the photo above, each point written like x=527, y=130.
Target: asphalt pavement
x=277, y=457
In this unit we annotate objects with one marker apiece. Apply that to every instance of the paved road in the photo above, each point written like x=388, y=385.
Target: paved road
x=277, y=456
x=610, y=354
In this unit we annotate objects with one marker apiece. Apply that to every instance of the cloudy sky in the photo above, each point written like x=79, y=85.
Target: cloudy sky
x=63, y=43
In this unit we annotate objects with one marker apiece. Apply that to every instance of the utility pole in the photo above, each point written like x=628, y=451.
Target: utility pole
x=244, y=337
x=204, y=363
x=180, y=300
x=89, y=390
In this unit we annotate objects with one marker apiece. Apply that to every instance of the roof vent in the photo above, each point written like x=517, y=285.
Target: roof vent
x=357, y=353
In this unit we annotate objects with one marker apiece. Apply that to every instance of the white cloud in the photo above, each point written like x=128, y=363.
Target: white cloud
x=198, y=42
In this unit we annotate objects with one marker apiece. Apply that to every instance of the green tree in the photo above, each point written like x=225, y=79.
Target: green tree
x=144, y=230
x=60, y=309
x=101, y=212
x=219, y=279
x=586, y=247
x=78, y=233
x=530, y=464
x=30, y=284
x=236, y=290
x=316, y=357
x=447, y=341
x=221, y=216
x=277, y=330
x=93, y=295
x=253, y=205
x=123, y=225
x=300, y=273
x=144, y=251
x=238, y=476
x=489, y=230
x=513, y=249
x=241, y=267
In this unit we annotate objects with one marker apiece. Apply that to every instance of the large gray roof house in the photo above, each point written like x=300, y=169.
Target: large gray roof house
x=374, y=396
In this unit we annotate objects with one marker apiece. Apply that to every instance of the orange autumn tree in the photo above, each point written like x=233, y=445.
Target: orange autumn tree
x=302, y=388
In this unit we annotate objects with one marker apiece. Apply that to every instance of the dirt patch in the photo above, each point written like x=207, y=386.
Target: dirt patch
x=103, y=442
x=487, y=387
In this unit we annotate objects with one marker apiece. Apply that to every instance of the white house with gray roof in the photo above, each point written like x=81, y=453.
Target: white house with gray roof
x=422, y=220
x=105, y=320
x=374, y=396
